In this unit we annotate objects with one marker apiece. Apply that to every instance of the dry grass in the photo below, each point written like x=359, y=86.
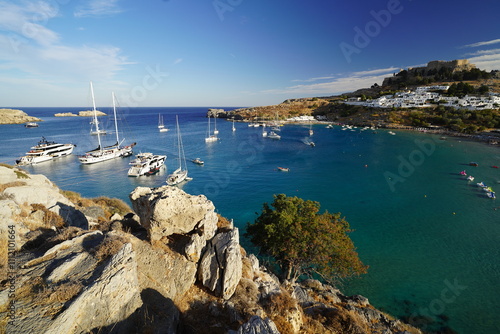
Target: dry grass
x=65, y=292
x=11, y=185
x=223, y=223
x=77, y=199
x=278, y=306
x=6, y=165
x=50, y=218
x=112, y=206
x=245, y=298
x=109, y=247
x=4, y=256
x=247, y=270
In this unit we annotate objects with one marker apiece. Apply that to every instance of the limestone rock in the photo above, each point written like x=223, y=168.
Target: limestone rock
x=194, y=248
x=39, y=189
x=257, y=325
x=65, y=114
x=171, y=274
x=90, y=113
x=169, y=210
x=110, y=299
x=220, y=268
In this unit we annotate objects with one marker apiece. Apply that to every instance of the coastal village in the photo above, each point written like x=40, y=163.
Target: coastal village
x=428, y=97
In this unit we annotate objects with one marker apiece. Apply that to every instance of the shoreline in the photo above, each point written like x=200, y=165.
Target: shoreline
x=491, y=138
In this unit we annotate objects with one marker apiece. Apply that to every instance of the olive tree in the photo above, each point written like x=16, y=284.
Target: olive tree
x=304, y=242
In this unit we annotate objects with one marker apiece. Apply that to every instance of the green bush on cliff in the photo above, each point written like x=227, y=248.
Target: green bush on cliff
x=304, y=242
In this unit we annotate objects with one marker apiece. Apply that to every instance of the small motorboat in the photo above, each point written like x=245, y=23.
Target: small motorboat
x=283, y=169
x=464, y=173
x=31, y=125
x=481, y=184
x=494, y=166
x=198, y=161
x=491, y=195
x=470, y=178
x=474, y=164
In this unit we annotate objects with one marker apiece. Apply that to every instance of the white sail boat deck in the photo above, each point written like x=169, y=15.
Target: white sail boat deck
x=146, y=164
x=180, y=174
x=210, y=138
x=161, y=126
x=109, y=152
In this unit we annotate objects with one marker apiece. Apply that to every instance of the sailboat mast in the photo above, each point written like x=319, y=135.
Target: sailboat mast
x=179, y=140
x=95, y=116
x=116, y=122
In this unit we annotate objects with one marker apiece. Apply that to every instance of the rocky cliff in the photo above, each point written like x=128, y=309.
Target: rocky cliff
x=14, y=116
x=75, y=265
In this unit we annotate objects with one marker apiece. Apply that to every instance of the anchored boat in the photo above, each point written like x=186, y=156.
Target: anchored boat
x=44, y=151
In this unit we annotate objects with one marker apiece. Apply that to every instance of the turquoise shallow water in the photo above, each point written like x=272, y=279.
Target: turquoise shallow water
x=430, y=237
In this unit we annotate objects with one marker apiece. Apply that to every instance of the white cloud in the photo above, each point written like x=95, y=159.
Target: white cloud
x=475, y=45
x=349, y=83
x=313, y=79
x=98, y=8
x=487, y=61
x=484, y=52
x=33, y=58
x=26, y=21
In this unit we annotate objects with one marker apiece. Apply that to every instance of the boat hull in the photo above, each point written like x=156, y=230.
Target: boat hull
x=45, y=152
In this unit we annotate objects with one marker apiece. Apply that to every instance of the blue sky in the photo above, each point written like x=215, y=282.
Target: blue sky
x=227, y=52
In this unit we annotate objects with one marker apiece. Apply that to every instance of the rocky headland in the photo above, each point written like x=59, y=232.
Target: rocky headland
x=15, y=116
x=171, y=265
x=85, y=113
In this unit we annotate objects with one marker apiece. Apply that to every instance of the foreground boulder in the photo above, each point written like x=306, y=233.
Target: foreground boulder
x=220, y=268
x=168, y=210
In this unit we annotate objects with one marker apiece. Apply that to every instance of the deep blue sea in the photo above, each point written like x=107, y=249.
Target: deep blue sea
x=430, y=237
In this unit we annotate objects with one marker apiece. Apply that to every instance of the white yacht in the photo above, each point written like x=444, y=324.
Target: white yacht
x=108, y=152
x=44, y=151
x=146, y=164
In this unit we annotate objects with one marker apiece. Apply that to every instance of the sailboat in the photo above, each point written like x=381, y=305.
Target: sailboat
x=311, y=132
x=210, y=137
x=234, y=129
x=160, y=124
x=216, y=132
x=180, y=174
x=109, y=152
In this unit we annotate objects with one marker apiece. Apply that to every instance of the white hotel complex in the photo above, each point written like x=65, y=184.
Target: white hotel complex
x=424, y=97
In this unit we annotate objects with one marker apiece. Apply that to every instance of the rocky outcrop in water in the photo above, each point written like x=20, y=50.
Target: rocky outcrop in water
x=86, y=113
x=174, y=266
x=15, y=116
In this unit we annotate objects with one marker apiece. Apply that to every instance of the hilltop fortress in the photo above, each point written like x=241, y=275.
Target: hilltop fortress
x=432, y=68
x=453, y=65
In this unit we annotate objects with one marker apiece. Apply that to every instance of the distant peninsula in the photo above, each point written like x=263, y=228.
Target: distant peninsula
x=15, y=116
x=86, y=113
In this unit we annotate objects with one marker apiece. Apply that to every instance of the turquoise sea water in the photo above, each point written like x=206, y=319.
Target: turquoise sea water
x=431, y=238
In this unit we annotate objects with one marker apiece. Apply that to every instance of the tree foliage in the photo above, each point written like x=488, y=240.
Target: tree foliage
x=304, y=242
